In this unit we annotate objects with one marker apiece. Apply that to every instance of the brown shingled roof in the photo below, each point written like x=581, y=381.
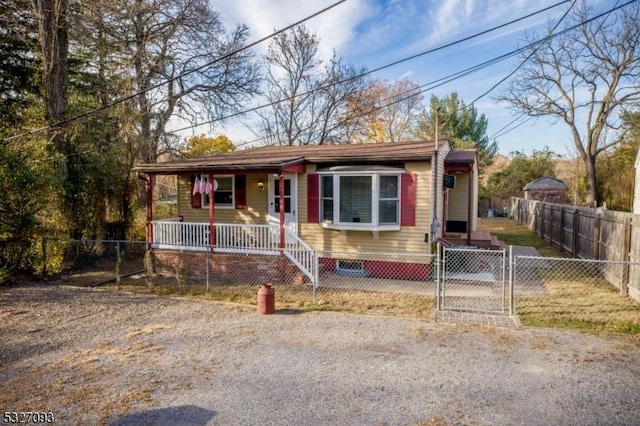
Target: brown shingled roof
x=461, y=156
x=274, y=158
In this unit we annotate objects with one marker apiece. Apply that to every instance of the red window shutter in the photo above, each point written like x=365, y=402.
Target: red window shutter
x=240, y=192
x=313, y=198
x=408, y=199
x=196, y=199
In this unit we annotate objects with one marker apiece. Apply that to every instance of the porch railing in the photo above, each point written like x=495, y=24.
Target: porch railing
x=303, y=256
x=230, y=237
x=236, y=238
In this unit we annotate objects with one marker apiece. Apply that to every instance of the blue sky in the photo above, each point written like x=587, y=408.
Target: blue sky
x=373, y=33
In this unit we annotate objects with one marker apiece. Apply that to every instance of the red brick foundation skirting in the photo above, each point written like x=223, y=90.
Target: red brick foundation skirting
x=383, y=269
x=230, y=268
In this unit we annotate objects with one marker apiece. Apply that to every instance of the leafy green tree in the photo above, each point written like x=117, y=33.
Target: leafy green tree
x=459, y=123
x=202, y=146
x=18, y=65
x=521, y=170
x=616, y=178
x=21, y=193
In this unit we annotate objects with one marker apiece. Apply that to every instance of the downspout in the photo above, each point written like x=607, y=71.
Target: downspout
x=212, y=228
x=469, y=206
x=281, y=204
x=435, y=224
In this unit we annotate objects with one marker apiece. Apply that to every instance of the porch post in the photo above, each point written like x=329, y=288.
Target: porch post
x=282, y=207
x=212, y=228
x=149, y=188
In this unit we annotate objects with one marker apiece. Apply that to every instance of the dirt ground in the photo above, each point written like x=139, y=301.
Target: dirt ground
x=95, y=356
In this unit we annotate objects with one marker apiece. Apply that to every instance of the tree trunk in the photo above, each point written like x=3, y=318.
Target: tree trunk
x=53, y=37
x=593, y=198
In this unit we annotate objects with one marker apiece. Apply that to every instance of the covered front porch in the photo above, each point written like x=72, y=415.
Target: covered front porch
x=235, y=207
x=231, y=238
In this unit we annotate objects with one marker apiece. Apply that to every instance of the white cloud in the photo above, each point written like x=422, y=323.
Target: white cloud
x=334, y=27
x=374, y=33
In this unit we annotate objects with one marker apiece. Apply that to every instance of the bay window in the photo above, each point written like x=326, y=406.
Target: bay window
x=366, y=199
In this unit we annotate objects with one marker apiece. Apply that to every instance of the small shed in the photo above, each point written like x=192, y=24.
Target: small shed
x=547, y=189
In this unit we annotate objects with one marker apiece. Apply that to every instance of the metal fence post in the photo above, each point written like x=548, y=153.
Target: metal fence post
x=512, y=265
x=316, y=274
x=44, y=256
x=504, y=278
x=438, y=288
x=119, y=263
x=208, y=256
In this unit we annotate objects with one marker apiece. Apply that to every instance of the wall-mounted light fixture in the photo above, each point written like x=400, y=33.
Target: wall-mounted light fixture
x=261, y=185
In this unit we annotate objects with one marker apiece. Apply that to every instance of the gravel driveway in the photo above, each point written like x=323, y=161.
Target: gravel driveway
x=102, y=357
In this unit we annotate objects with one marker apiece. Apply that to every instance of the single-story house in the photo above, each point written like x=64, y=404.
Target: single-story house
x=318, y=206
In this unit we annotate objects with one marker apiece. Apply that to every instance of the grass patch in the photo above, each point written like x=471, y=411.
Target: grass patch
x=585, y=302
x=513, y=233
x=578, y=298
x=294, y=297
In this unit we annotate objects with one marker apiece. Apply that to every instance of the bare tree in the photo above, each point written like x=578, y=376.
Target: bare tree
x=308, y=100
x=584, y=77
x=177, y=60
x=388, y=111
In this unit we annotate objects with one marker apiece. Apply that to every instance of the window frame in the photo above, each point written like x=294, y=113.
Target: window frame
x=204, y=200
x=375, y=224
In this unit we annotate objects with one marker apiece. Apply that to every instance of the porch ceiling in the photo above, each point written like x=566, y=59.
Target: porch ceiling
x=275, y=158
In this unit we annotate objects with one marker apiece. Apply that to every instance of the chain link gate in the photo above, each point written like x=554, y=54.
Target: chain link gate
x=473, y=280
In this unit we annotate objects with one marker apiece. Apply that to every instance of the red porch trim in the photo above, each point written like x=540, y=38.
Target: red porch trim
x=282, y=207
x=212, y=229
x=295, y=168
x=149, y=187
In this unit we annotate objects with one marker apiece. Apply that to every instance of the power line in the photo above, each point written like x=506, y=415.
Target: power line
x=436, y=83
x=409, y=58
x=502, y=131
x=505, y=129
x=521, y=64
x=415, y=91
x=389, y=65
x=162, y=83
x=463, y=73
x=438, y=48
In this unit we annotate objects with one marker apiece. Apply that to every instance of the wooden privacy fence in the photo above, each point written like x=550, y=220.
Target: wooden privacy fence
x=589, y=233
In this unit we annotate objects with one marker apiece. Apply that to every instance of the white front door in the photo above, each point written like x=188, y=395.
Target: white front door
x=290, y=200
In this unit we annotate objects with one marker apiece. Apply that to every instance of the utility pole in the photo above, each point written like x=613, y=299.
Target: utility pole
x=435, y=223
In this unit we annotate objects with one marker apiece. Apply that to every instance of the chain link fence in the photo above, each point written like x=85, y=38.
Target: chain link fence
x=552, y=291
x=473, y=279
x=538, y=289
x=93, y=262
